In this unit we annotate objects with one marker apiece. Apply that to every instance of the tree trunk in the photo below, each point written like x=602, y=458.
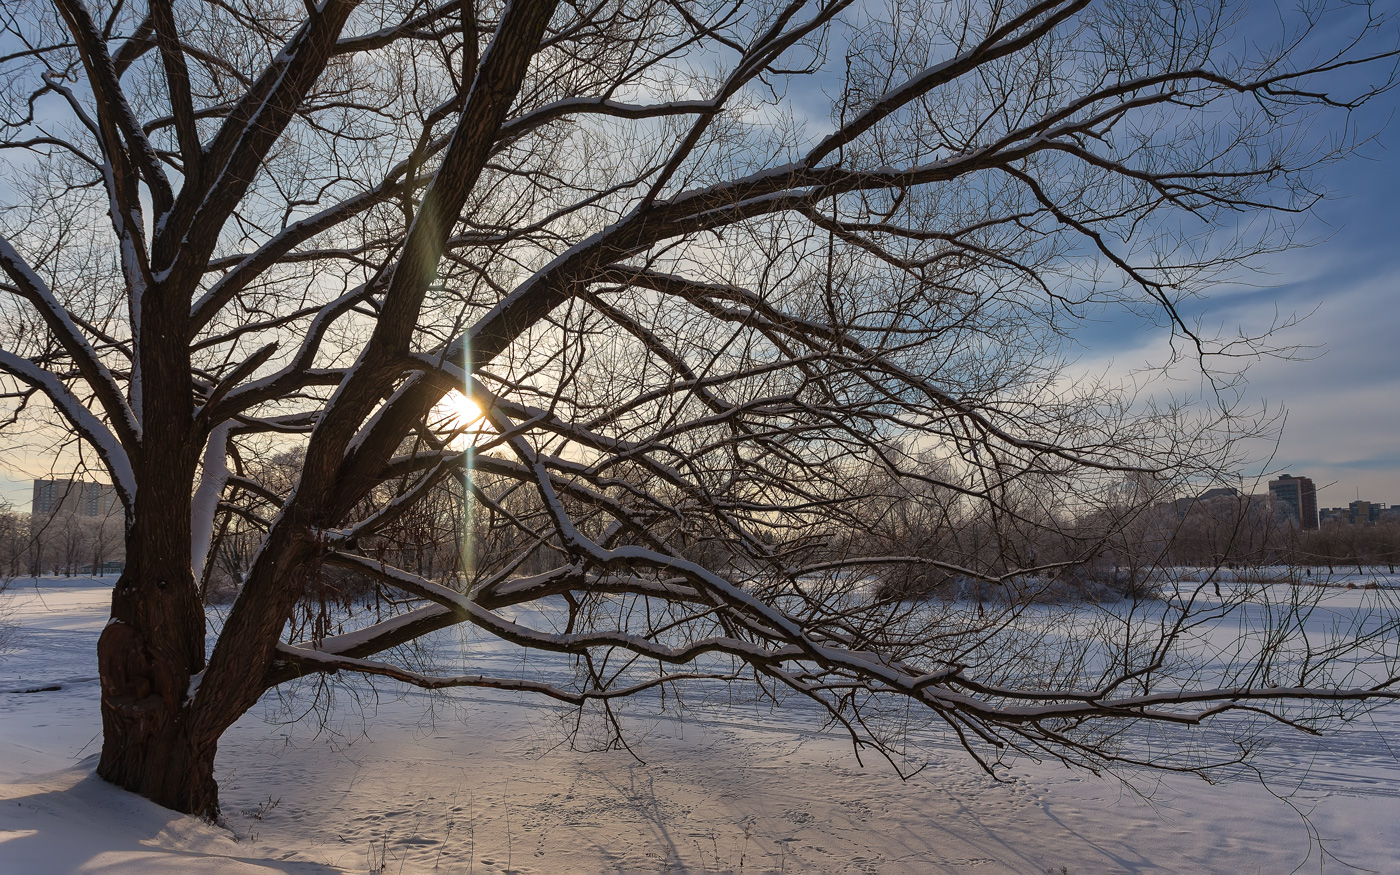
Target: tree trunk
x=147, y=742
x=146, y=655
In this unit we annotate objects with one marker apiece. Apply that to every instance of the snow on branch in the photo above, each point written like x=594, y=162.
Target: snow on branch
x=92, y=429
x=314, y=660
x=98, y=378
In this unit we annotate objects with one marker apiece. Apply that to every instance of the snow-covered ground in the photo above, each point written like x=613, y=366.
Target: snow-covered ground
x=483, y=782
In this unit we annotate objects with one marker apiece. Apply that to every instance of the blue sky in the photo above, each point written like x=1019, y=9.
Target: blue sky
x=1342, y=394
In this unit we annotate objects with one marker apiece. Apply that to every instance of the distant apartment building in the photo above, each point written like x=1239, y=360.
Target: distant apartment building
x=1363, y=513
x=76, y=497
x=1298, y=497
x=75, y=527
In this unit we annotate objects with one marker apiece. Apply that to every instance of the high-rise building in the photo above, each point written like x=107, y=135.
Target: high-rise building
x=78, y=497
x=1299, y=496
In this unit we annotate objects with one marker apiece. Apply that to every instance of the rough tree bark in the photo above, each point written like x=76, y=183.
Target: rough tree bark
x=146, y=656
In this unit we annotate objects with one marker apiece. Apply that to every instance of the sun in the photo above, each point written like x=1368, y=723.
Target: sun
x=457, y=410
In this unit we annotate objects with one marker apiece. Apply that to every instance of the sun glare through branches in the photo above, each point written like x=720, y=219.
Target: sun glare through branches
x=458, y=412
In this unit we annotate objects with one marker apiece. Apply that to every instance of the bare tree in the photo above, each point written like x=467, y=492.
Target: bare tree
x=102, y=531
x=12, y=544
x=694, y=316
x=14, y=541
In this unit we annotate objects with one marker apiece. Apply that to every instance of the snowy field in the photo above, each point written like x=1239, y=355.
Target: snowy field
x=484, y=782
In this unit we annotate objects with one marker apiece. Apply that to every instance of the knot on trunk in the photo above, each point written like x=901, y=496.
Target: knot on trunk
x=132, y=680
